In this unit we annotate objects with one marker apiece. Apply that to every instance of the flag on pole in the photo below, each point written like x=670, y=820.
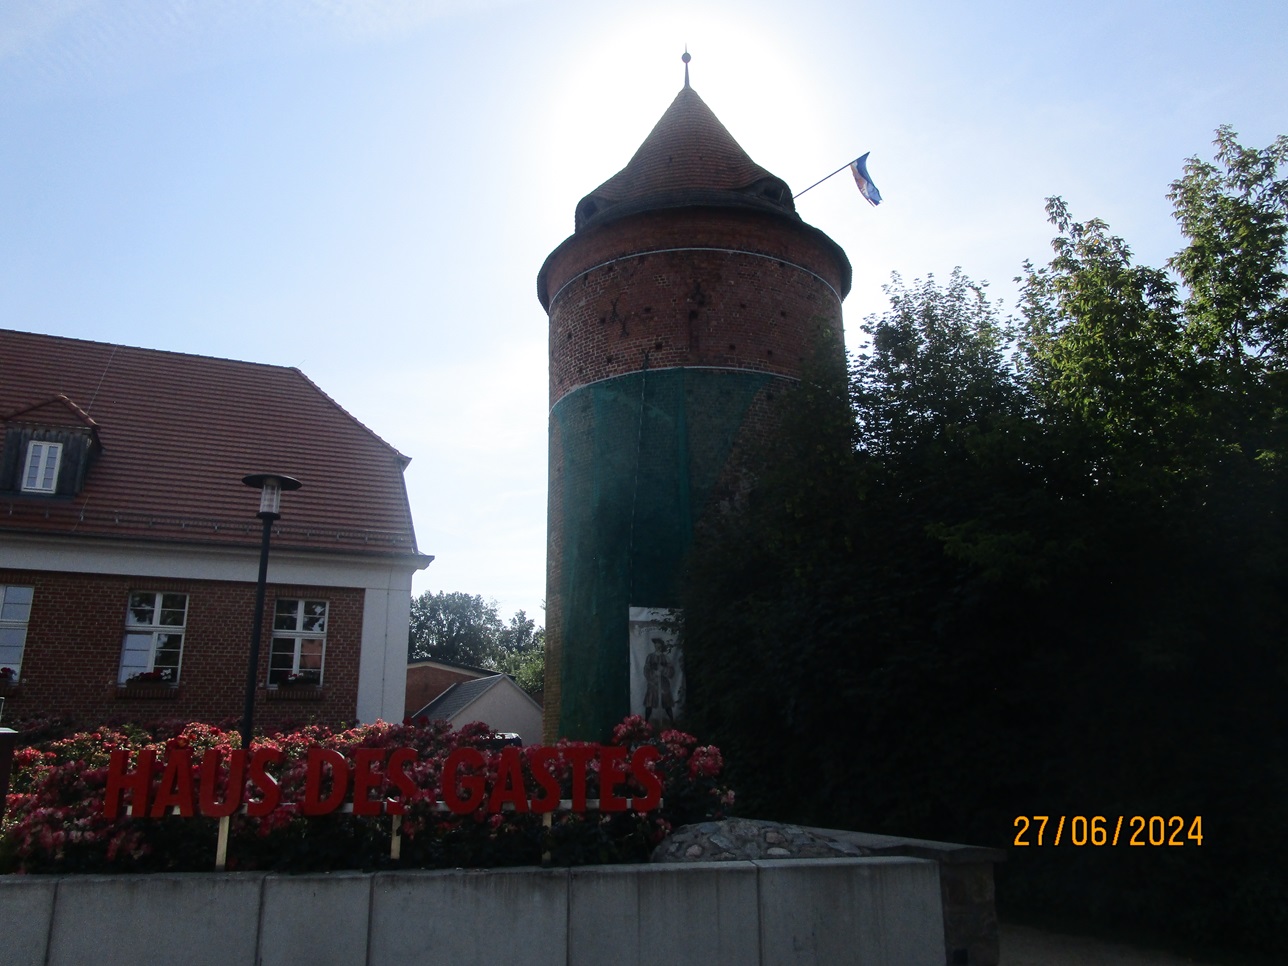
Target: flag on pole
x=859, y=166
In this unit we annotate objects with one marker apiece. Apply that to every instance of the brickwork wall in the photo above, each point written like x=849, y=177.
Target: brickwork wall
x=425, y=682
x=665, y=292
x=741, y=230
x=72, y=657
x=724, y=307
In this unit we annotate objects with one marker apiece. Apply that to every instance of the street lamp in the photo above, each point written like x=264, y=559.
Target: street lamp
x=270, y=486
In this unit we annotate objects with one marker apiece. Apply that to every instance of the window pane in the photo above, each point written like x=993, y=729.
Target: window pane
x=15, y=611
x=177, y=602
x=315, y=616
x=141, y=609
x=132, y=662
x=11, y=645
x=41, y=474
x=136, y=644
x=34, y=452
x=283, y=653
x=171, y=617
x=169, y=646
x=311, y=654
x=285, y=616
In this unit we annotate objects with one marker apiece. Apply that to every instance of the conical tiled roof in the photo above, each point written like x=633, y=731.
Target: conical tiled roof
x=689, y=158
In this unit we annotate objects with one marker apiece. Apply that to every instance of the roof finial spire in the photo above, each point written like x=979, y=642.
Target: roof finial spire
x=686, y=58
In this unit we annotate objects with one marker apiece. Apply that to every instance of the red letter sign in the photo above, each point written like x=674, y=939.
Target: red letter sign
x=211, y=807
x=540, y=760
x=473, y=783
x=313, y=803
x=509, y=782
x=365, y=778
x=176, y=785
x=138, y=782
x=262, y=780
x=401, y=780
x=640, y=761
x=612, y=772
x=580, y=758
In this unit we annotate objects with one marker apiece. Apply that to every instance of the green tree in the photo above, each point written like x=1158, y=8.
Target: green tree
x=1232, y=211
x=456, y=627
x=466, y=629
x=1044, y=568
x=523, y=647
x=935, y=366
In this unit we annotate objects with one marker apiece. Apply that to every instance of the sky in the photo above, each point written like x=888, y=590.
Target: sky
x=366, y=190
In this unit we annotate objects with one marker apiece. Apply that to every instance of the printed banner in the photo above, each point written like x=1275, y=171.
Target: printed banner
x=657, y=665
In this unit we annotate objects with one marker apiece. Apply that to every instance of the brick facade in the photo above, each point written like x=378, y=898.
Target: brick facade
x=73, y=651
x=683, y=306
x=672, y=335
x=720, y=288
x=426, y=680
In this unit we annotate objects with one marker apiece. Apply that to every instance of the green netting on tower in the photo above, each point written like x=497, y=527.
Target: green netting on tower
x=641, y=455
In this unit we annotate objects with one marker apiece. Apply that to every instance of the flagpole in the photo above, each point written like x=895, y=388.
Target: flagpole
x=821, y=180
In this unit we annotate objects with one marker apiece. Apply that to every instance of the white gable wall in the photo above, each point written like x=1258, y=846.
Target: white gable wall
x=505, y=707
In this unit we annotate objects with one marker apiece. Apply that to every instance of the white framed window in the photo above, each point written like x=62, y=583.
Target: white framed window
x=40, y=475
x=299, y=642
x=15, y=611
x=153, y=647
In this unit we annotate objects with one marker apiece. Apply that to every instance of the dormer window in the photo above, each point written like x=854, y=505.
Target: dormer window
x=47, y=449
x=41, y=472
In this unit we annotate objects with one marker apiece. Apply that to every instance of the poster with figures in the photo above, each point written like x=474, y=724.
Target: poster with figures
x=657, y=665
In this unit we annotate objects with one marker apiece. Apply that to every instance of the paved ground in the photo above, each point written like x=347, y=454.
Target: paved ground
x=1025, y=946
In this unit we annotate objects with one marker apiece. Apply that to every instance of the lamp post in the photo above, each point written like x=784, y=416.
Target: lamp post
x=270, y=486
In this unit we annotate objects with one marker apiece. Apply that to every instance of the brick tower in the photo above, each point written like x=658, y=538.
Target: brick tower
x=687, y=298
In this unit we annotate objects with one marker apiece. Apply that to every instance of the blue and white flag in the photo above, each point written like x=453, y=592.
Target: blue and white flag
x=859, y=166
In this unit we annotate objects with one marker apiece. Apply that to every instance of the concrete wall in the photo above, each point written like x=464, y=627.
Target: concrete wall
x=777, y=913
x=966, y=888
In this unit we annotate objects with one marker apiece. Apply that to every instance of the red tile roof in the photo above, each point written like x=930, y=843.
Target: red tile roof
x=688, y=158
x=178, y=432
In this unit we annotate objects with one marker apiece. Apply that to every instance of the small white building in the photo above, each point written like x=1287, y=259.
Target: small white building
x=496, y=701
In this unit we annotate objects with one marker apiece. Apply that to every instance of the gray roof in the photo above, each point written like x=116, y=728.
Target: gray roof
x=457, y=698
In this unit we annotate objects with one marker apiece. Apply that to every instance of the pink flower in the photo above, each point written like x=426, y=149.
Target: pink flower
x=706, y=762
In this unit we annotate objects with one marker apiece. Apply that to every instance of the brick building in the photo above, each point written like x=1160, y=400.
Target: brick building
x=129, y=546
x=428, y=679
x=686, y=301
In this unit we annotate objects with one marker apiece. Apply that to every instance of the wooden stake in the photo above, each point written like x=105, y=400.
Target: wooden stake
x=221, y=851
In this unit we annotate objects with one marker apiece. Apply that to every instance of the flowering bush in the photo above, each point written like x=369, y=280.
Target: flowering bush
x=159, y=676
x=56, y=820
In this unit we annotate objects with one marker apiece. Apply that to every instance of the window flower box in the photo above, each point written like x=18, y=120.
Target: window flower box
x=148, y=690
x=295, y=692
